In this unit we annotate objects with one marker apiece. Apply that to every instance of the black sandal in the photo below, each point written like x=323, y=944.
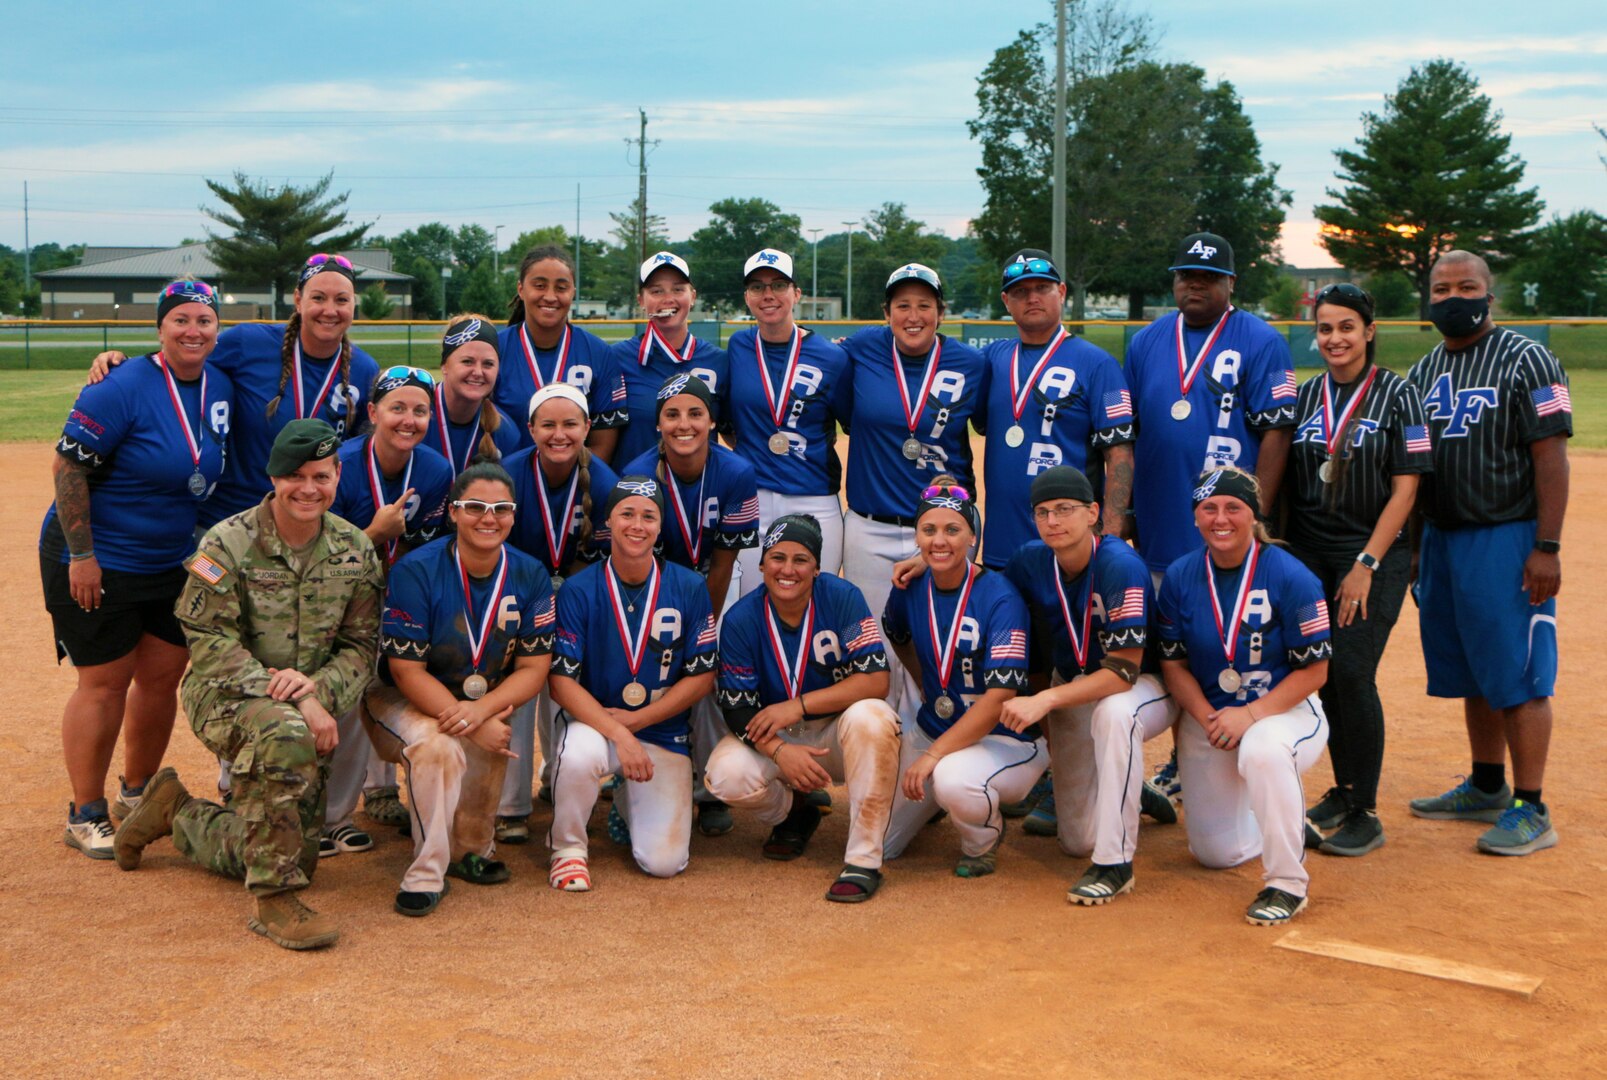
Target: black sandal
x=789, y=839
x=419, y=904
x=479, y=870
x=858, y=883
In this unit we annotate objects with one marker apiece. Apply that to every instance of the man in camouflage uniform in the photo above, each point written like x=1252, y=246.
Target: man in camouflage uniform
x=281, y=609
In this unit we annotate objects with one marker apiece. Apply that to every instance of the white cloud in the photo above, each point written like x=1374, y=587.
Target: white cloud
x=355, y=95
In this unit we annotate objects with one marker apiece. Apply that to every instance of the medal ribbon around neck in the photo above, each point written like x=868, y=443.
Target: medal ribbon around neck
x=691, y=532
x=943, y=651
x=555, y=541
x=1018, y=390
x=912, y=414
x=446, y=432
x=1079, y=646
x=193, y=442
x=478, y=641
x=323, y=391
x=652, y=337
x=634, y=651
x=530, y=357
x=792, y=672
x=778, y=409
x=376, y=488
x=1331, y=430
x=1229, y=634
x=1187, y=373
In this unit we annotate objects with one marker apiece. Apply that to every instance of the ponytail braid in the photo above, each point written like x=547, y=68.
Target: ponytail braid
x=287, y=356
x=490, y=421
x=583, y=463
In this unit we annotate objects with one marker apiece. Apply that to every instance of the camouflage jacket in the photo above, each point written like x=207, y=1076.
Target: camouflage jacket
x=250, y=604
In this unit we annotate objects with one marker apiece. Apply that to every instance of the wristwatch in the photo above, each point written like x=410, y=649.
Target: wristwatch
x=1367, y=560
x=1548, y=547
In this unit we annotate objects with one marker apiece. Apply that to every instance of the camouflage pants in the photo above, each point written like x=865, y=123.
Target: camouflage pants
x=268, y=834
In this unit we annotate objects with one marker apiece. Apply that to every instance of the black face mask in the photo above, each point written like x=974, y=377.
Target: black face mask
x=1458, y=316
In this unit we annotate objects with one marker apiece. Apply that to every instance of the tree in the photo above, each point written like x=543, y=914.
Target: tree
x=1394, y=295
x=738, y=228
x=472, y=245
x=891, y=239
x=614, y=278
x=1239, y=195
x=1567, y=259
x=482, y=291
x=1285, y=296
x=375, y=303
x=534, y=238
x=274, y=230
x=1434, y=172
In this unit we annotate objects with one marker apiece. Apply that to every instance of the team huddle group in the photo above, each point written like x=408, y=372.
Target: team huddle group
x=632, y=561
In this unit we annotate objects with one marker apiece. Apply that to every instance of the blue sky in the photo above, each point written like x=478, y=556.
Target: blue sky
x=114, y=113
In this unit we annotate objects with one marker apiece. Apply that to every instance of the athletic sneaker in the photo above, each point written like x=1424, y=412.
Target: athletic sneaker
x=1524, y=829
x=1152, y=802
x=90, y=832
x=1042, y=822
x=1274, y=907
x=512, y=830
x=1313, y=838
x=127, y=799
x=618, y=831
x=1044, y=786
x=714, y=818
x=1330, y=811
x=1358, y=834
x=1464, y=802
x=1166, y=781
x=1101, y=884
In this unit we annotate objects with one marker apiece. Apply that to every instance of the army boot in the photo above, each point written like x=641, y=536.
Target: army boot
x=284, y=920
x=151, y=820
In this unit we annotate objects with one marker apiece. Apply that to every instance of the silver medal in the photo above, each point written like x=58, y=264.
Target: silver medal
x=634, y=694
x=779, y=443
x=197, y=484
x=944, y=707
x=1325, y=471
x=1229, y=681
x=557, y=582
x=1014, y=436
x=1181, y=409
x=912, y=448
x=474, y=687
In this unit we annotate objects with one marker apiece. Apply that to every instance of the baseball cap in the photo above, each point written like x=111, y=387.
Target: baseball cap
x=915, y=272
x=1029, y=264
x=662, y=258
x=1204, y=251
x=778, y=261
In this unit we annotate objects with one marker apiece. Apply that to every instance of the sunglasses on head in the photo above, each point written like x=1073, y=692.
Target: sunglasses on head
x=403, y=371
x=1344, y=288
x=1031, y=266
x=339, y=260
x=953, y=490
x=189, y=288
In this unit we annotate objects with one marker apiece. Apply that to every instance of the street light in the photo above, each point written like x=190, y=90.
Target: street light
x=496, y=250
x=814, y=273
x=849, y=299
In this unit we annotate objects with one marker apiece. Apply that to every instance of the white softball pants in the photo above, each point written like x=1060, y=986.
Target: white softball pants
x=658, y=812
x=1097, y=753
x=1248, y=801
x=870, y=550
x=971, y=784
x=536, y=714
x=864, y=752
x=773, y=504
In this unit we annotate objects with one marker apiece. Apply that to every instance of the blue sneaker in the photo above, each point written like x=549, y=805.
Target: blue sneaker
x=1044, y=786
x=1041, y=822
x=618, y=831
x=1166, y=782
x=1523, y=830
x=1464, y=802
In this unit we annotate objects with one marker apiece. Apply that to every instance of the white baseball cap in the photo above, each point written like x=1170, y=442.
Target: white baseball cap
x=662, y=258
x=915, y=272
x=778, y=261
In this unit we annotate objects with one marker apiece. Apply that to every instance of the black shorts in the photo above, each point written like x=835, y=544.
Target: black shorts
x=134, y=605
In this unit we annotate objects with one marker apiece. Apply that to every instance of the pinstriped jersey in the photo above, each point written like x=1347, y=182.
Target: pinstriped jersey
x=1485, y=405
x=1385, y=437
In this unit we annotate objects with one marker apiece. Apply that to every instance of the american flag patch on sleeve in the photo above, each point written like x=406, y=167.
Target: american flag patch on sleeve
x=1119, y=403
x=746, y=514
x=207, y=570
x=1008, y=645
x=619, y=392
x=1313, y=618
x=1288, y=389
x=1552, y=399
x=1417, y=441
x=1130, y=606
x=708, y=635
x=865, y=634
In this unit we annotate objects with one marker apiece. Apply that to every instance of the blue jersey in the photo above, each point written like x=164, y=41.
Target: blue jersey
x=881, y=479
x=125, y=431
x=426, y=472
x=1079, y=402
x=530, y=491
x=681, y=641
x=251, y=355
x=460, y=443
x=1285, y=623
x=1245, y=386
x=821, y=394
x=843, y=641
x=1110, y=605
x=426, y=618
x=588, y=365
x=718, y=511
x=647, y=365
x=991, y=651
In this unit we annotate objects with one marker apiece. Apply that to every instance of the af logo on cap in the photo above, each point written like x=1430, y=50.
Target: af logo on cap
x=1202, y=248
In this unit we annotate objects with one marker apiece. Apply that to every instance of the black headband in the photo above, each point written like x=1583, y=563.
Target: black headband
x=683, y=383
x=645, y=486
x=463, y=331
x=950, y=497
x=1231, y=482
x=797, y=528
x=185, y=292
x=337, y=264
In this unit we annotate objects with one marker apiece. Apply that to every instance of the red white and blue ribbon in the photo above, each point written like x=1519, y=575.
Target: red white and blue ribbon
x=193, y=442
x=1330, y=429
x=446, y=431
x=912, y=413
x=323, y=391
x=943, y=650
x=1186, y=372
x=556, y=539
x=651, y=337
x=1020, y=390
x=376, y=488
x=691, y=531
x=478, y=639
x=792, y=671
x=637, y=649
x=1079, y=644
x=778, y=403
x=1228, y=633
x=530, y=357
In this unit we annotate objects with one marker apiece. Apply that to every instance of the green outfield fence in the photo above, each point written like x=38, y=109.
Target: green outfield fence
x=66, y=344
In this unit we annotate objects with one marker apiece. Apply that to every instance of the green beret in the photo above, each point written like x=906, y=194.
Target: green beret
x=299, y=442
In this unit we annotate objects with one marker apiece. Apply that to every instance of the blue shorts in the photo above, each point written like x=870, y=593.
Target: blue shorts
x=1481, y=636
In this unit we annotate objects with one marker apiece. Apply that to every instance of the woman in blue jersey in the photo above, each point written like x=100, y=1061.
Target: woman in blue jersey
x=665, y=348
x=139, y=453
x=801, y=682
x=466, y=639
x=635, y=650
x=1244, y=644
x=962, y=630
x=563, y=488
x=789, y=389
x=465, y=424
x=540, y=346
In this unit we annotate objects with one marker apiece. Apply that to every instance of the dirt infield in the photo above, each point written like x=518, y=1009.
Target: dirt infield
x=738, y=967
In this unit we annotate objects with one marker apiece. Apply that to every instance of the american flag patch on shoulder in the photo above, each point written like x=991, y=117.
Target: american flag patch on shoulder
x=1313, y=618
x=1552, y=399
x=1417, y=440
x=1008, y=645
x=1287, y=389
x=205, y=569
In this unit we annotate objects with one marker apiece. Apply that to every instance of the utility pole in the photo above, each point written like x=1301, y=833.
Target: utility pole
x=496, y=252
x=642, y=146
x=814, y=273
x=1057, y=247
x=577, y=241
x=27, y=249
x=849, y=273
